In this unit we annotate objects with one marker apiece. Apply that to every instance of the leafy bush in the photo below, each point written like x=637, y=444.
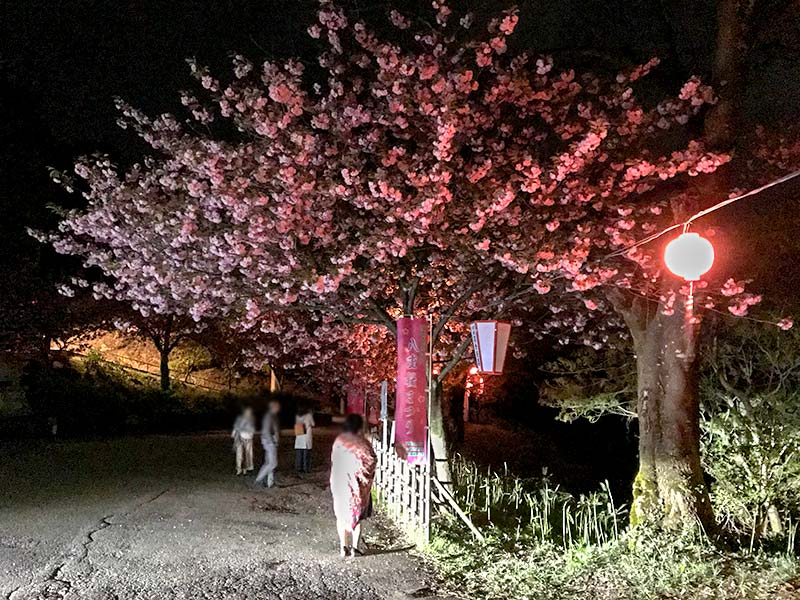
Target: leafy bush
x=546, y=544
x=749, y=418
x=589, y=385
x=751, y=432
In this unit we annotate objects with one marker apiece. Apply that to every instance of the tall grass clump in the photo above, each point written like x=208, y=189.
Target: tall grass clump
x=535, y=509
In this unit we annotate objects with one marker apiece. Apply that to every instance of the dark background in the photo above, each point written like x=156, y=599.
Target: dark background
x=63, y=62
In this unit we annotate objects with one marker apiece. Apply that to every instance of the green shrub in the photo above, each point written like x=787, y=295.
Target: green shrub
x=751, y=433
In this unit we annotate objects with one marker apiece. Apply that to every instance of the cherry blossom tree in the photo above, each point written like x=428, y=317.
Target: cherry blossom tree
x=165, y=332
x=430, y=172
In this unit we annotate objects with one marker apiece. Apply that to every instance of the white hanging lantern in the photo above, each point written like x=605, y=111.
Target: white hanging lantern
x=490, y=341
x=689, y=256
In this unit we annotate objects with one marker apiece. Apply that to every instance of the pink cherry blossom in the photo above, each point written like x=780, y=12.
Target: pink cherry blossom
x=444, y=176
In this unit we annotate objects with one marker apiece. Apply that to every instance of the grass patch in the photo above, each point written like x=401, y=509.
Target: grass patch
x=639, y=566
x=544, y=544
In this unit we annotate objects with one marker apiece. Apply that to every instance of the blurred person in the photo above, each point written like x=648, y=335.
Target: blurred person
x=270, y=434
x=353, y=463
x=303, y=426
x=244, y=428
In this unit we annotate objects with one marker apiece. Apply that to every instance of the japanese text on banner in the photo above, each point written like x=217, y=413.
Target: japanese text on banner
x=411, y=412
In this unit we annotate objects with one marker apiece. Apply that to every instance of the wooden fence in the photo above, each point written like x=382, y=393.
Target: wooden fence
x=402, y=491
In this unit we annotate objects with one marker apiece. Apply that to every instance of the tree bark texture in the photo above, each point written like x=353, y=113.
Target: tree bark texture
x=441, y=456
x=729, y=55
x=669, y=489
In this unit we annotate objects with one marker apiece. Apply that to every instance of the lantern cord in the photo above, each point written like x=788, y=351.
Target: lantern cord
x=703, y=213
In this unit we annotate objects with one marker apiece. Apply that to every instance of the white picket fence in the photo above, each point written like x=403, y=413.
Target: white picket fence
x=403, y=491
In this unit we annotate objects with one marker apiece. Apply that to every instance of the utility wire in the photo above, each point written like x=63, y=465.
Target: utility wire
x=704, y=212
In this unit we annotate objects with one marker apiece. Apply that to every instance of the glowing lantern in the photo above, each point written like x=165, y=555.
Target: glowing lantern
x=490, y=341
x=689, y=256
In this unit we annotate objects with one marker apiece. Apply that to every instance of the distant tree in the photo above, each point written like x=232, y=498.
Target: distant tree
x=165, y=332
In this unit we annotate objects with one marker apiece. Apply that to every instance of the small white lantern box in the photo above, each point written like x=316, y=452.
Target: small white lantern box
x=490, y=341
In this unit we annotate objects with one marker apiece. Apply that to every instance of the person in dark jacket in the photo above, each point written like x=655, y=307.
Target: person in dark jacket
x=270, y=433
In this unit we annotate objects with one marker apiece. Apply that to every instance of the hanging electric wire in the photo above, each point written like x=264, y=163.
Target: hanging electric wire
x=703, y=213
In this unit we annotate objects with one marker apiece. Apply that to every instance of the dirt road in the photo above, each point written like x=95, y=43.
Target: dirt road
x=165, y=517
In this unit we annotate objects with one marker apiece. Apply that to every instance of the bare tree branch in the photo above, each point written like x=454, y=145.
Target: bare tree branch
x=410, y=297
x=458, y=353
x=457, y=303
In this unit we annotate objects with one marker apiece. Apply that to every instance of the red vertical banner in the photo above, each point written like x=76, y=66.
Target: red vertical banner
x=355, y=399
x=355, y=391
x=411, y=409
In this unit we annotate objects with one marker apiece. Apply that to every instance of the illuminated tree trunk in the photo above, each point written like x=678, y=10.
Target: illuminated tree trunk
x=162, y=334
x=669, y=489
x=439, y=432
x=441, y=457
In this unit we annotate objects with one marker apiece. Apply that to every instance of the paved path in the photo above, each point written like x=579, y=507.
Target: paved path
x=164, y=517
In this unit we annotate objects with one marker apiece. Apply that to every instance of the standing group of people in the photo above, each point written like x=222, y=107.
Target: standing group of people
x=353, y=464
x=244, y=431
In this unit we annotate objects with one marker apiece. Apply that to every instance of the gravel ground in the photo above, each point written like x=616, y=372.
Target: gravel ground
x=165, y=517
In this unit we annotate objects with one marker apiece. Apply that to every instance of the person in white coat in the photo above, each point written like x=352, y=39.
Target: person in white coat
x=244, y=428
x=303, y=431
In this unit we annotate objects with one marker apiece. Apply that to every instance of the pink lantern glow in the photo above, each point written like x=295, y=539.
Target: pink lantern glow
x=490, y=342
x=689, y=256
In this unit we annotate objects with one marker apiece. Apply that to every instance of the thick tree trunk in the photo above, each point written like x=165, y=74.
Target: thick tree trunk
x=727, y=60
x=454, y=414
x=440, y=458
x=669, y=488
x=165, y=382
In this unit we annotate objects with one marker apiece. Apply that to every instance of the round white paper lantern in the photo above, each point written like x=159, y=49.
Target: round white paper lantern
x=689, y=256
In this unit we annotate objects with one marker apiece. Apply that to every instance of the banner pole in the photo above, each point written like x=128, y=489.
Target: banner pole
x=429, y=449
x=429, y=374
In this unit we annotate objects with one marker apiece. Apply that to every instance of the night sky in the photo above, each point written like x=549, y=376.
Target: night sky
x=62, y=63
